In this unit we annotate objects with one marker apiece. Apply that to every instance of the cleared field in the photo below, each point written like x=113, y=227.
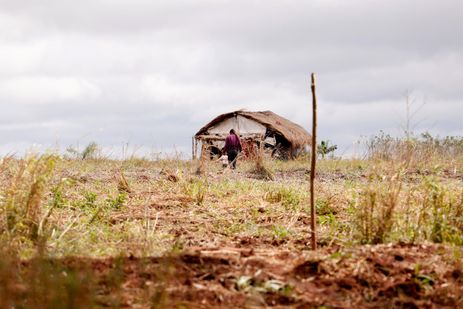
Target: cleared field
x=139, y=233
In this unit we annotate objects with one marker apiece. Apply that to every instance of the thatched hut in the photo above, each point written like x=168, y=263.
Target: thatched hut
x=278, y=136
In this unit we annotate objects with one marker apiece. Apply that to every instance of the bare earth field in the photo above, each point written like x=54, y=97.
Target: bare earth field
x=142, y=234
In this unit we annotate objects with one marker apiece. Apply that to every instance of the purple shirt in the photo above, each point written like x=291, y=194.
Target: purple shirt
x=232, y=142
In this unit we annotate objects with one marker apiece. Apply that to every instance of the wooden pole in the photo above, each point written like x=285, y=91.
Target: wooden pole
x=313, y=232
x=192, y=147
x=196, y=149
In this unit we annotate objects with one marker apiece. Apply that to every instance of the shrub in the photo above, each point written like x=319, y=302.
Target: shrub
x=90, y=151
x=424, y=148
x=374, y=209
x=441, y=217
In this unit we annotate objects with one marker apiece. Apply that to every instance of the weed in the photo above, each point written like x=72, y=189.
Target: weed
x=324, y=206
x=280, y=232
x=287, y=196
x=261, y=170
x=123, y=184
x=118, y=201
x=197, y=189
x=57, y=201
x=444, y=211
x=90, y=152
x=21, y=205
x=327, y=219
x=325, y=148
x=89, y=201
x=58, y=198
x=375, y=209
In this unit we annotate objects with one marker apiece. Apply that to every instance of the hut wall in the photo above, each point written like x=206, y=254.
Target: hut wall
x=241, y=124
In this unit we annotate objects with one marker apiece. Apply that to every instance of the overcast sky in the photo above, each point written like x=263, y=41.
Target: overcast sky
x=150, y=73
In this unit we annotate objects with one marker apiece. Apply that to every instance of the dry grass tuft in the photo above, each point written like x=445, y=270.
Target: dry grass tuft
x=123, y=184
x=23, y=195
x=260, y=169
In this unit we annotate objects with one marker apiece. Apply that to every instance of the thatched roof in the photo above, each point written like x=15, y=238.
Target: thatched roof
x=292, y=132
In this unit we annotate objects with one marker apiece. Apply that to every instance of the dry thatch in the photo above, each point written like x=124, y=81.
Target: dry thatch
x=296, y=135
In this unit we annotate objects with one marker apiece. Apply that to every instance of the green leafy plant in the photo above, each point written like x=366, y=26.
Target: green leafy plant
x=324, y=148
x=118, y=201
x=90, y=151
x=197, y=189
x=287, y=196
x=280, y=232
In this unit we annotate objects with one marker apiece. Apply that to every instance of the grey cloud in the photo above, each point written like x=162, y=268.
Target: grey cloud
x=152, y=72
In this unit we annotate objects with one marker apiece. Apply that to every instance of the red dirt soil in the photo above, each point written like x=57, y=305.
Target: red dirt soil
x=395, y=276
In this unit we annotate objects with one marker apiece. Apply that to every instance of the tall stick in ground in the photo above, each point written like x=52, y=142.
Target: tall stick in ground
x=312, y=166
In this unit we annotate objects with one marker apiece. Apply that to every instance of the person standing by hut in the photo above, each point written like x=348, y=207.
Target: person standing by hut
x=232, y=148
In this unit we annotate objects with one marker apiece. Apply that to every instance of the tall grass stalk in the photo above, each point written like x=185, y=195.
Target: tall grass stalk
x=21, y=206
x=260, y=168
